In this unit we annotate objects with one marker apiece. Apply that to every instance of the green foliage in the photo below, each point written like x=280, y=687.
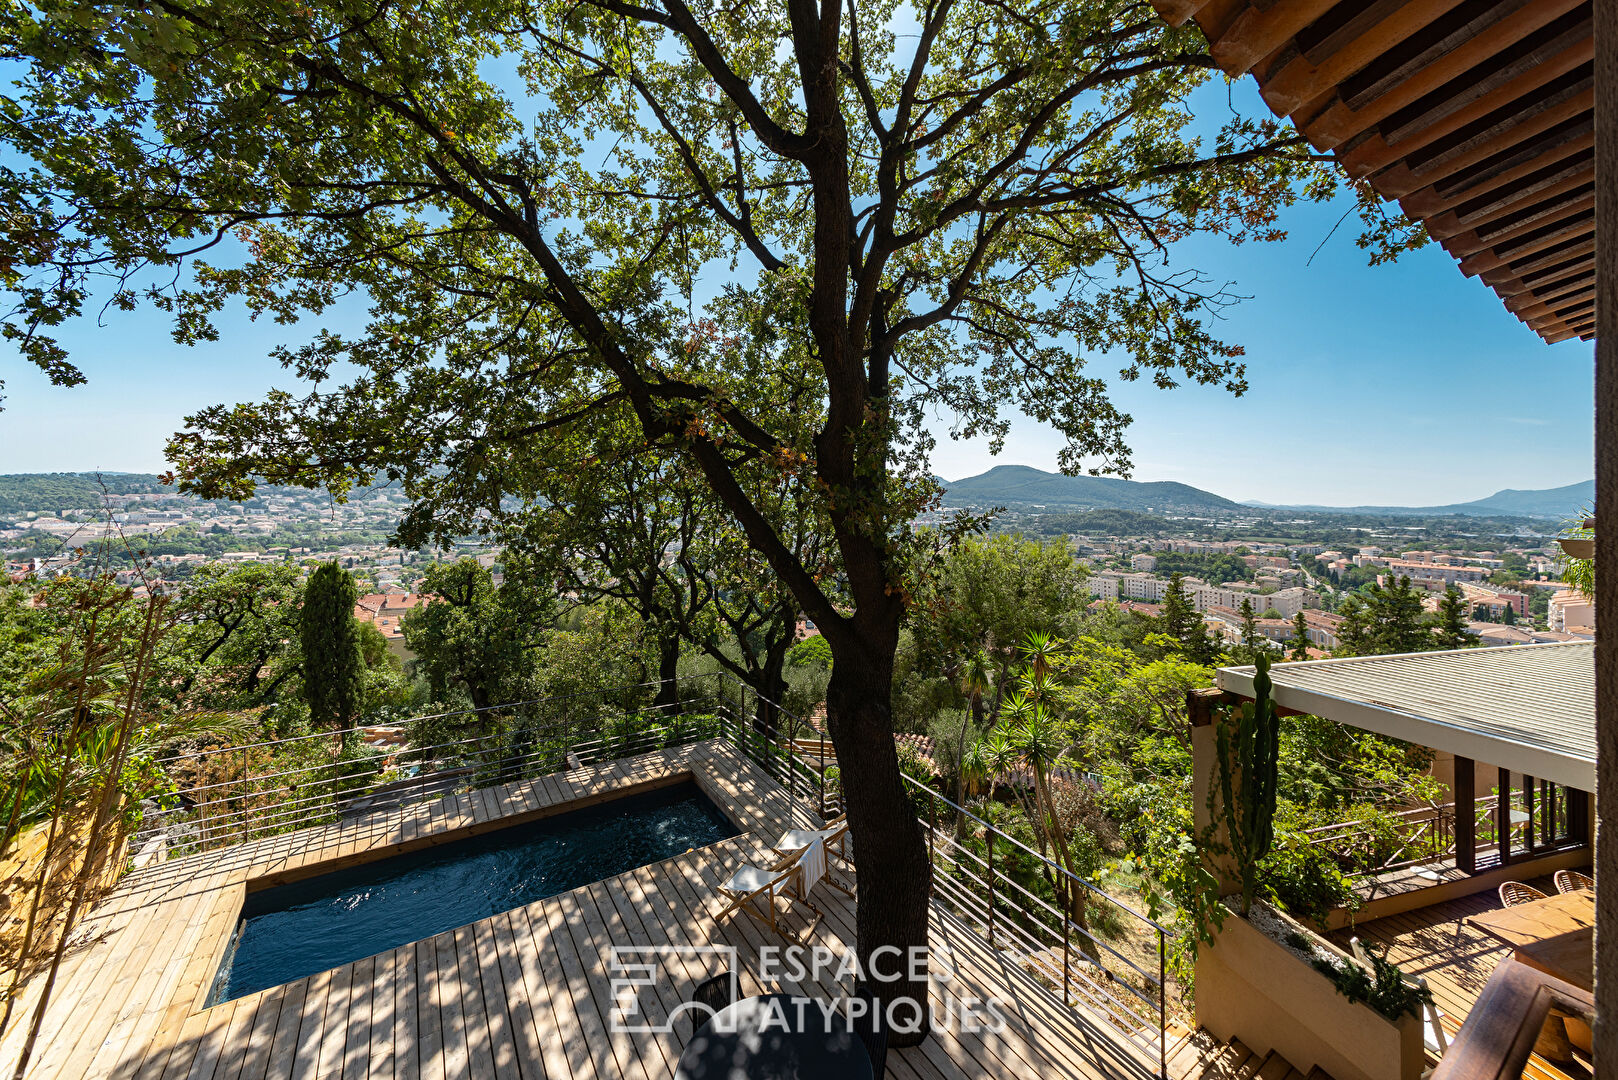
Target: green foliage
x=476, y=639
x=1247, y=766
x=236, y=644
x=1300, y=637
x=55, y=492
x=1181, y=621
x=812, y=651
x=1383, y=619
x=1382, y=987
x=1213, y=569
x=330, y=643
x=1450, y=630
x=1305, y=879
x=1102, y=523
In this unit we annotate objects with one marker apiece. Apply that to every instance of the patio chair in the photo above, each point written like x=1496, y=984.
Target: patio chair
x=1573, y=881
x=712, y=994
x=1513, y=893
x=835, y=838
x=751, y=884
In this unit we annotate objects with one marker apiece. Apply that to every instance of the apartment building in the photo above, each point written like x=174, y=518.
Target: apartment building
x=1152, y=590
x=1426, y=571
x=1570, y=609
x=1494, y=597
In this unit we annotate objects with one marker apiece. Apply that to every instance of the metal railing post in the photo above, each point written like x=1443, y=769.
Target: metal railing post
x=932, y=824
x=1067, y=945
x=990, y=834
x=1162, y=1008
x=823, y=776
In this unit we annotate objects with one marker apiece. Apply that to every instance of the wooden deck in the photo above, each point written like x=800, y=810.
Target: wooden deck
x=1454, y=957
x=527, y=993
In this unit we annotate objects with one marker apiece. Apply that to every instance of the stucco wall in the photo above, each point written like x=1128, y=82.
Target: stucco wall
x=1254, y=989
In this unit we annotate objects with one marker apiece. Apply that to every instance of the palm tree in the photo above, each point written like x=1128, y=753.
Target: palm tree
x=975, y=682
x=1039, y=742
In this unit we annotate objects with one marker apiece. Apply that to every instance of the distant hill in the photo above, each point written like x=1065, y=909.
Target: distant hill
x=20, y=492
x=1021, y=487
x=1562, y=502
x=1555, y=503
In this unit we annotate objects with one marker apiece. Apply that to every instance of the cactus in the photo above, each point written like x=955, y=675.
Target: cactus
x=1249, y=759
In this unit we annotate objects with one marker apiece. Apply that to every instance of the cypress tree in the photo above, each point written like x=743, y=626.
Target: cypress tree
x=1450, y=631
x=332, y=663
x=1178, y=613
x=1300, y=637
x=1250, y=634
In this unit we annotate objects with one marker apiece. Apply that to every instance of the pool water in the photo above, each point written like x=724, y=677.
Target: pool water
x=290, y=931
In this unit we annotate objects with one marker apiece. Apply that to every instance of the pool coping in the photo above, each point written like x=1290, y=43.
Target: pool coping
x=607, y=782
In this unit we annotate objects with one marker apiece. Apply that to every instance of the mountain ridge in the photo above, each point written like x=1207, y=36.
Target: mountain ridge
x=1025, y=487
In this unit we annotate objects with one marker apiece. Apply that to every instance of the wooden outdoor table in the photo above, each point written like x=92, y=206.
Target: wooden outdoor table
x=1570, y=957
x=1537, y=920
x=1555, y=935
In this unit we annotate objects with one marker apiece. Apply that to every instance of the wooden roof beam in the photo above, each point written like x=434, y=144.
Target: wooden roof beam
x=1553, y=336
x=1566, y=318
x=1525, y=223
x=1486, y=213
x=1557, y=161
x=1529, y=304
x=1299, y=80
x=1560, y=275
x=1176, y=12
x=1473, y=89
x=1552, y=239
x=1354, y=108
x=1520, y=293
x=1401, y=178
x=1515, y=268
x=1259, y=30
x=1501, y=110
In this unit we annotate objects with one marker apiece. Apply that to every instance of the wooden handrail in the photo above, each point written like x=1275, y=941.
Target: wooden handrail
x=1500, y=1030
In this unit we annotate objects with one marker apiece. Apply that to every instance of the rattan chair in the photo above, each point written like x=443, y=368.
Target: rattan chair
x=712, y=995
x=1513, y=893
x=1573, y=881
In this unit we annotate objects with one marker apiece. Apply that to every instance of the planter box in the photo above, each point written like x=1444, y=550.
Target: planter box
x=1255, y=989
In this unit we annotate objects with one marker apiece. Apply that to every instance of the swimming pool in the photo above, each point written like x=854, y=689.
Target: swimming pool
x=289, y=931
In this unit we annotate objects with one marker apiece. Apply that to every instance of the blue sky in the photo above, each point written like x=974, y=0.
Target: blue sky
x=1404, y=384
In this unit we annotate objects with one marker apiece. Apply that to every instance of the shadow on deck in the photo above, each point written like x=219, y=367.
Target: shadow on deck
x=526, y=993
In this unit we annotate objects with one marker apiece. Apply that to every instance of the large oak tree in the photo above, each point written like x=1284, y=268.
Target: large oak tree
x=548, y=208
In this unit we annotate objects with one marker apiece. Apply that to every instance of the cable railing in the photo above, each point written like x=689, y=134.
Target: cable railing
x=220, y=800
x=1093, y=951
x=1070, y=955
x=1406, y=838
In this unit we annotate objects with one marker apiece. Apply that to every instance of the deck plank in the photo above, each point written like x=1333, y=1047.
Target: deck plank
x=524, y=994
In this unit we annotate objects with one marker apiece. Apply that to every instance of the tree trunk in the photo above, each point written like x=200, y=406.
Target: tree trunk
x=890, y=854
x=668, y=674
x=771, y=683
x=976, y=717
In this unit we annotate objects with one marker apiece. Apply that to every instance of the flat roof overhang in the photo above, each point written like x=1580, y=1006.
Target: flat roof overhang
x=1529, y=708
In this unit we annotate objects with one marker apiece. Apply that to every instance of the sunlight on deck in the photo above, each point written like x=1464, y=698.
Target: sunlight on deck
x=527, y=993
